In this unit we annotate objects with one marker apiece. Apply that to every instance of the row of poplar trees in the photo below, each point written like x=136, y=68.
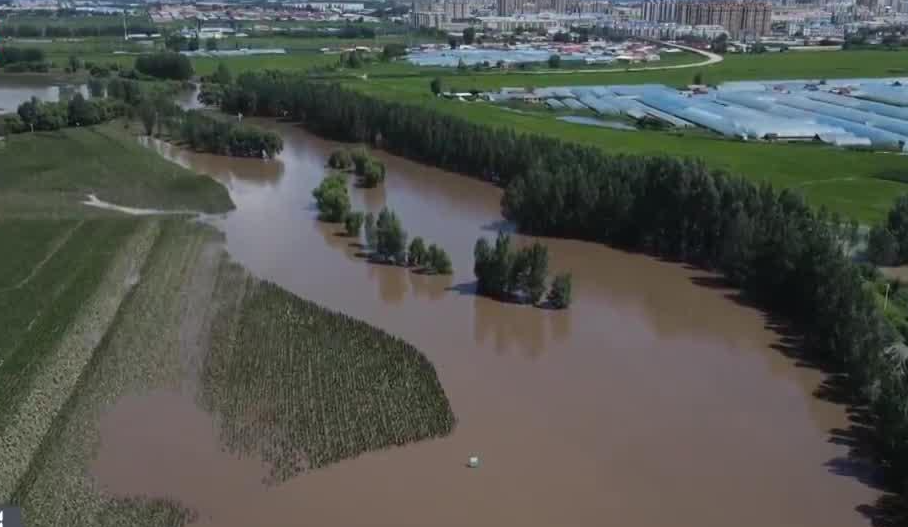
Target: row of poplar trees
x=770, y=244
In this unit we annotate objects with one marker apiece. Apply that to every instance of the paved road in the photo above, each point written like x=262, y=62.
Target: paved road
x=710, y=58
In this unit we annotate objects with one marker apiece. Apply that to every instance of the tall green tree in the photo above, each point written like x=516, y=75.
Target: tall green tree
x=222, y=75
x=332, y=199
x=390, y=237
x=560, y=294
x=882, y=246
x=369, y=230
x=438, y=260
x=416, y=254
x=353, y=224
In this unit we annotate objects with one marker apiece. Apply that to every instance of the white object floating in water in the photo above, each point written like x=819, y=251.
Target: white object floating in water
x=474, y=462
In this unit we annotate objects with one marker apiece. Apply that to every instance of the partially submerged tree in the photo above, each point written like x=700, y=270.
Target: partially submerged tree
x=560, y=294
x=353, y=223
x=369, y=230
x=416, y=254
x=340, y=159
x=332, y=199
x=438, y=261
x=391, y=238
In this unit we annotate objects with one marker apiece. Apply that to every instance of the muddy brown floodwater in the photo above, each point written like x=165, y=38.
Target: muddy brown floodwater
x=654, y=400
x=16, y=89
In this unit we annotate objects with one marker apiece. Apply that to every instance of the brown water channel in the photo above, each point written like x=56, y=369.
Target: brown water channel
x=16, y=89
x=654, y=400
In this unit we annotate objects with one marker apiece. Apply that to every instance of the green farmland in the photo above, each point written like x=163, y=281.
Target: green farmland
x=767, y=66
x=858, y=184
x=49, y=173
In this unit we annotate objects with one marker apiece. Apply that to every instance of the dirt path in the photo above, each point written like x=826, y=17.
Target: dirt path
x=93, y=201
x=55, y=384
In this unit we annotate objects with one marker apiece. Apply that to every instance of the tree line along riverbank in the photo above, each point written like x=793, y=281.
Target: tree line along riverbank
x=780, y=252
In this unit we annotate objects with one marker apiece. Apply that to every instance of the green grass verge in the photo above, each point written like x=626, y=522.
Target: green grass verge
x=321, y=386
x=51, y=172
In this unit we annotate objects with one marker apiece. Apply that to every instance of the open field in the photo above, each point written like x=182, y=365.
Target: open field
x=290, y=61
x=791, y=65
x=858, y=184
x=71, y=21
x=49, y=173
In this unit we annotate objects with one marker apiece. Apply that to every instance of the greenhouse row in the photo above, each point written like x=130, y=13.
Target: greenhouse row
x=866, y=113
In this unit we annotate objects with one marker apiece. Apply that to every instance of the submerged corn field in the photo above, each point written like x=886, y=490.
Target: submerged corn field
x=289, y=383
x=304, y=387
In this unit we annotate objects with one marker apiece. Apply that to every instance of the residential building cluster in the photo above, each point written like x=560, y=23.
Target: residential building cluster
x=664, y=30
x=549, y=22
x=210, y=11
x=512, y=7
x=740, y=19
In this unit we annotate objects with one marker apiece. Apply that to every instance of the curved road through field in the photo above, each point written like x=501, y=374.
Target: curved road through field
x=710, y=59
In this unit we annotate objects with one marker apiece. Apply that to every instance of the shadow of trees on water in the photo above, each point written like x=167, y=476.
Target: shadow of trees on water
x=891, y=508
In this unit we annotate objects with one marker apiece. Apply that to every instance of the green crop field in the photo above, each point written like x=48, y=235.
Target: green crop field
x=51, y=320
x=237, y=65
x=140, y=350
x=767, y=66
x=858, y=184
x=72, y=21
x=54, y=171
x=68, y=266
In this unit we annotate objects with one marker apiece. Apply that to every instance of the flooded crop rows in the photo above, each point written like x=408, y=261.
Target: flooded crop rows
x=657, y=398
x=319, y=387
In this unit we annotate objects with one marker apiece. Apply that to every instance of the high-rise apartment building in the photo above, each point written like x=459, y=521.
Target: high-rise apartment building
x=513, y=7
x=740, y=19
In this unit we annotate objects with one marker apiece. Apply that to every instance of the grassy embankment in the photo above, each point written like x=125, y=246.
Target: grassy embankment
x=858, y=184
x=50, y=173
x=95, y=305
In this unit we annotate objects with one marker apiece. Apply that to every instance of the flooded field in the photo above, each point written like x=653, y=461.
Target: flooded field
x=656, y=399
x=16, y=89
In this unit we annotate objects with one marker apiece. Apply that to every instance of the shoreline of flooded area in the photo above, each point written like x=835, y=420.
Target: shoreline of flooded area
x=18, y=88
x=657, y=398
